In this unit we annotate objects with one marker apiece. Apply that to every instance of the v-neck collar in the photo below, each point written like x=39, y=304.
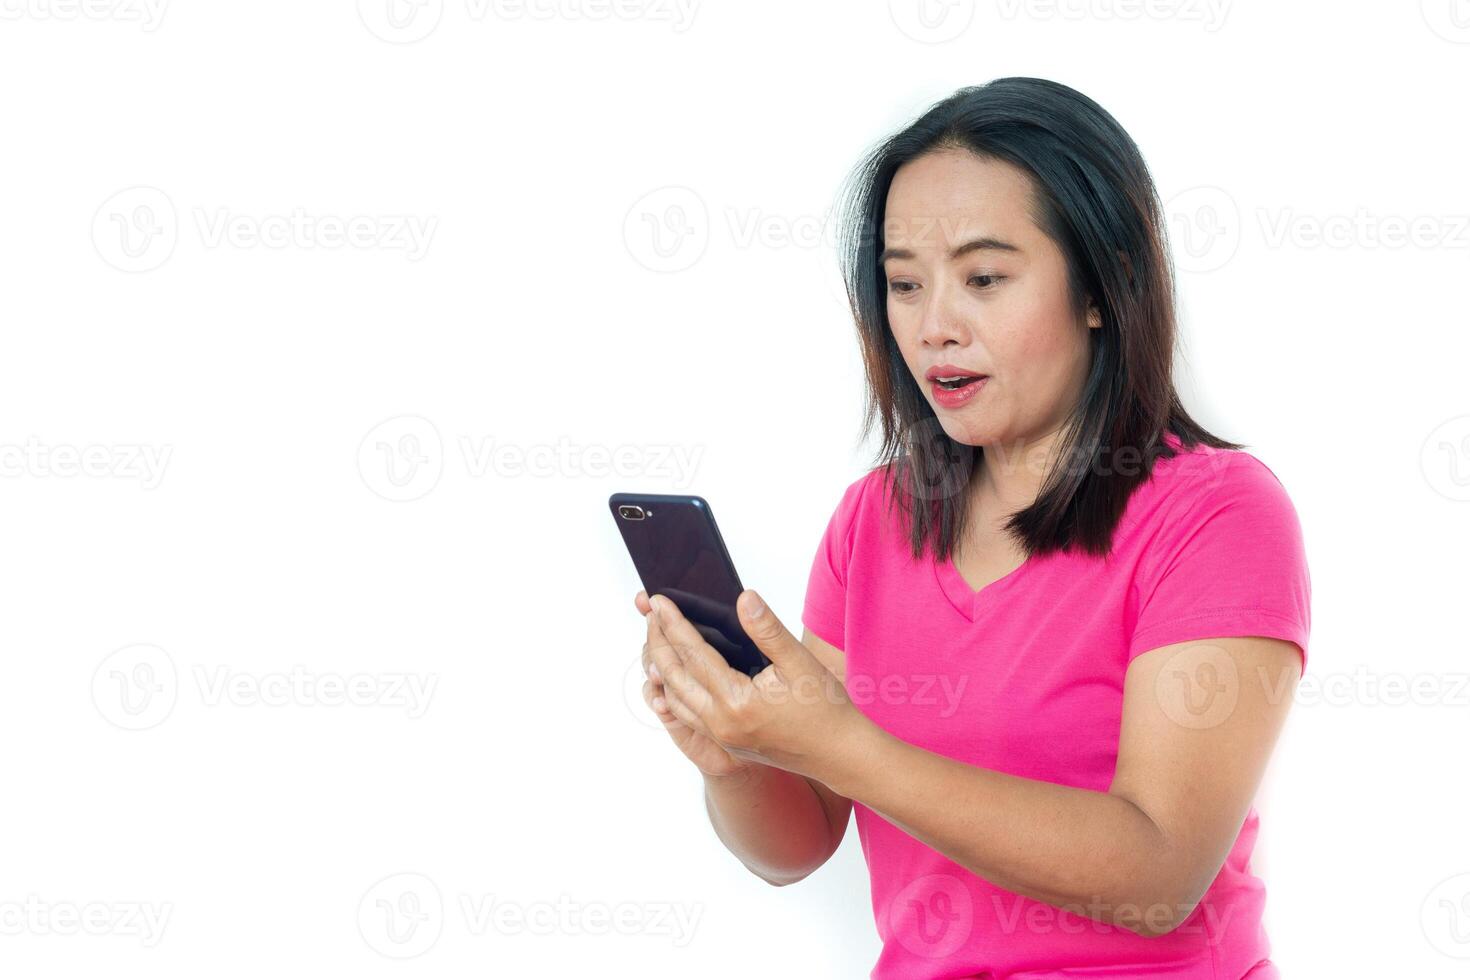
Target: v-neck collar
x=966, y=600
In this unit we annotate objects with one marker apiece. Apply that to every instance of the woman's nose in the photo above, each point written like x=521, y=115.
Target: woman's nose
x=940, y=322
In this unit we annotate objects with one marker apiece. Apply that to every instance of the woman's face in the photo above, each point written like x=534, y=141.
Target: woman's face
x=974, y=283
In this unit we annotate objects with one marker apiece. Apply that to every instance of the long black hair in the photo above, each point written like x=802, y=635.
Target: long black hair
x=1093, y=195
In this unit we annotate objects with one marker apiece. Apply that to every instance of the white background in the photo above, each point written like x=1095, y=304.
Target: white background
x=533, y=328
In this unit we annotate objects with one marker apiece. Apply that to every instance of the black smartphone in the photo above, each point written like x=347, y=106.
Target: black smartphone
x=678, y=552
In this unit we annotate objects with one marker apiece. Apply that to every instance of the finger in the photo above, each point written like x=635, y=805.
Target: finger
x=650, y=669
x=658, y=651
x=653, y=696
x=645, y=657
x=697, y=656
x=641, y=602
x=657, y=637
x=684, y=713
x=682, y=686
x=667, y=662
x=706, y=684
x=771, y=635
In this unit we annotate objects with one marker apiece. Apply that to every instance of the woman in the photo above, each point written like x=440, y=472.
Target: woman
x=1052, y=639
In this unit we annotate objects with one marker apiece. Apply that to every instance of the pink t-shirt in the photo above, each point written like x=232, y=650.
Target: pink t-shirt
x=1026, y=677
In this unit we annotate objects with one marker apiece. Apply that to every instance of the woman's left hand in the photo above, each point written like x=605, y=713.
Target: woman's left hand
x=793, y=715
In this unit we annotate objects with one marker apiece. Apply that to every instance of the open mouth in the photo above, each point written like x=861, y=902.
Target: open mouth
x=954, y=384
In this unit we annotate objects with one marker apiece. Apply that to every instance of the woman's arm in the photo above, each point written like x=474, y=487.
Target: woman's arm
x=1143, y=853
x=781, y=825
x=1140, y=855
x=776, y=822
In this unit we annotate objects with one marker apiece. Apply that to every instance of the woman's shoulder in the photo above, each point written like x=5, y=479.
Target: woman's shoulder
x=1200, y=480
x=870, y=484
x=1203, y=471
x=865, y=502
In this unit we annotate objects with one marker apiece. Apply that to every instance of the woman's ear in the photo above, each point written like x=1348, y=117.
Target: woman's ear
x=1094, y=316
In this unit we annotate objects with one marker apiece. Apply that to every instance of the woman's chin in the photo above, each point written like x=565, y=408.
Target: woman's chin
x=971, y=432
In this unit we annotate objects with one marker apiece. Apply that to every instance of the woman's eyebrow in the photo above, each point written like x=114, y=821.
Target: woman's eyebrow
x=974, y=245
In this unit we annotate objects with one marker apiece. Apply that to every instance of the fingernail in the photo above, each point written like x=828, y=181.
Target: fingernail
x=754, y=607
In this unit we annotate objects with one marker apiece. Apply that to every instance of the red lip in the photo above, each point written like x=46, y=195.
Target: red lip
x=955, y=398
x=951, y=371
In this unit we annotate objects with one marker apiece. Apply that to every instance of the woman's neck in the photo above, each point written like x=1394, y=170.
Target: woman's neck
x=1011, y=474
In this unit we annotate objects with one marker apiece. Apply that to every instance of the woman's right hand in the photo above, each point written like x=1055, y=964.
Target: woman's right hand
x=707, y=754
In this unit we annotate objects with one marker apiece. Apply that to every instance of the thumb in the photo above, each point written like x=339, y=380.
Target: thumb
x=768, y=632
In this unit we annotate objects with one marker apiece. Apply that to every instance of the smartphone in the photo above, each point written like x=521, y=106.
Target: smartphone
x=678, y=552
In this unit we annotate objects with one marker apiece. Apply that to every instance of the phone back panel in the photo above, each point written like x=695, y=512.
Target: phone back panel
x=678, y=552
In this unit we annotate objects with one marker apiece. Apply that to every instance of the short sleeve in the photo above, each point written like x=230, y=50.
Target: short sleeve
x=1231, y=562
x=825, y=609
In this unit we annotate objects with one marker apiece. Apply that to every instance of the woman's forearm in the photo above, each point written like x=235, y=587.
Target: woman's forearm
x=772, y=820
x=1093, y=853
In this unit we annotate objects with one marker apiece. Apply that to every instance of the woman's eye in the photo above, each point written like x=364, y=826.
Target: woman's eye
x=984, y=281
